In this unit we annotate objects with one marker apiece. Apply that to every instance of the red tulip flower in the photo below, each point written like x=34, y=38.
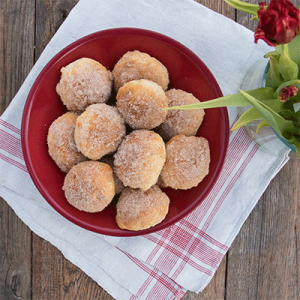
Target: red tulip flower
x=279, y=23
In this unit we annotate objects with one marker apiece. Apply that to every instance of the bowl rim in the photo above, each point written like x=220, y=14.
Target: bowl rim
x=88, y=38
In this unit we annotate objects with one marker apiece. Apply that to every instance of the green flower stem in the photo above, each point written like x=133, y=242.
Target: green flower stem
x=287, y=67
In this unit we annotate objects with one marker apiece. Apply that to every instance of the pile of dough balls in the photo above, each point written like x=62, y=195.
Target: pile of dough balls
x=133, y=147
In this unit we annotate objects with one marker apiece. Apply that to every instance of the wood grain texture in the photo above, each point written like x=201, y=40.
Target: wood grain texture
x=278, y=250
x=15, y=256
x=262, y=263
x=54, y=277
x=50, y=14
x=16, y=46
x=220, y=7
x=16, y=60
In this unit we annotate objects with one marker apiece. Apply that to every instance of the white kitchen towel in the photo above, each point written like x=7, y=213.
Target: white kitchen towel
x=186, y=255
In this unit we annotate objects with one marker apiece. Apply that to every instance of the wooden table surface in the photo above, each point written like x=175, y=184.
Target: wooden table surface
x=262, y=262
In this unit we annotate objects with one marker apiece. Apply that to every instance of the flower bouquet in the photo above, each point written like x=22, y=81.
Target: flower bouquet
x=278, y=104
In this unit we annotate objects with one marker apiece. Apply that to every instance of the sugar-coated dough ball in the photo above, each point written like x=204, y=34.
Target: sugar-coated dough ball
x=140, y=158
x=187, y=162
x=84, y=82
x=135, y=65
x=138, y=210
x=61, y=143
x=89, y=186
x=185, y=122
x=119, y=186
x=99, y=131
x=160, y=183
x=141, y=103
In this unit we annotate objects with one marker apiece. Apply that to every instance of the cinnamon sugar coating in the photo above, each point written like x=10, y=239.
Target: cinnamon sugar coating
x=187, y=162
x=99, y=131
x=141, y=103
x=138, y=210
x=89, y=186
x=140, y=158
x=84, y=82
x=185, y=122
x=119, y=186
x=135, y=65
x=61, y=143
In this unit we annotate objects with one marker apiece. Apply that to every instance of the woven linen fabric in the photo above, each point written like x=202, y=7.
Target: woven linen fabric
x=186, y=255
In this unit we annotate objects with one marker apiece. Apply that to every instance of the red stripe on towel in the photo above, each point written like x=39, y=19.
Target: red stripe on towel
x=163, y=286
x=10, y=126
x=13, y=162
x=11, y=144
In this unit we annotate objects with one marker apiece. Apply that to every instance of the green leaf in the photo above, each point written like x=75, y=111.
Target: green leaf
x=278, y=123
x=247, y=117
x=262, y=124
x=236, y=100
x=292, y=116
x=296, y=99
x=252, y=114
x=245, y=7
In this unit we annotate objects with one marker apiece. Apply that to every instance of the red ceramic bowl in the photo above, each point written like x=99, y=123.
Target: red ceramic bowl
x=43, y=106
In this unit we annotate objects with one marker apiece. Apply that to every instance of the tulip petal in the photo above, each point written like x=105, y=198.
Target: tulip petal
x=279, y=23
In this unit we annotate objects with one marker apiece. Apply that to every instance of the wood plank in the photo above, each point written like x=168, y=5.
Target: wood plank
x=278, y=253
x=15, y=255
x=265, y=252
x=219, y=6
x=245, y=19
x=294, y=166
x=50, y=15
x=243, y=258
x=262, y=262
x=47, y=270
x=16, y=59
x=54, y=277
